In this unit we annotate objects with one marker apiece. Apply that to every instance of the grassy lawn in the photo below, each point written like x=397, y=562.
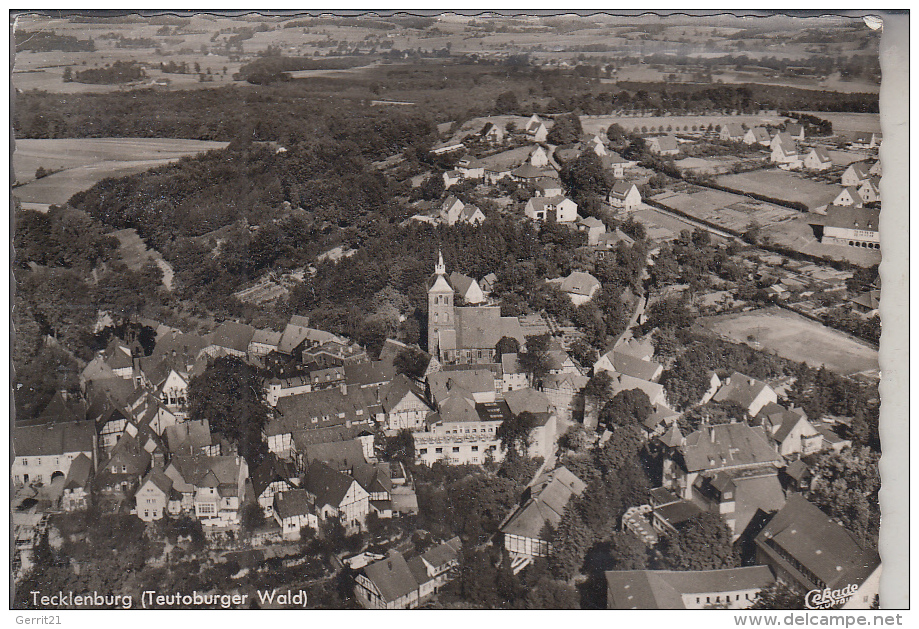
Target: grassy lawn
x=796, y=338
x=779, y=184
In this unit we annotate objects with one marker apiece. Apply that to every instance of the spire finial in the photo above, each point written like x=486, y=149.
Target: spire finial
x=441, y=268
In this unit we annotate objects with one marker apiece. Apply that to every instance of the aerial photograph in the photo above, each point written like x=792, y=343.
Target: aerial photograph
x=395, y=311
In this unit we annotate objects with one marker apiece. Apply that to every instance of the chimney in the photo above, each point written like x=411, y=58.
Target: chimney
x=344, y=388
x=711, y=433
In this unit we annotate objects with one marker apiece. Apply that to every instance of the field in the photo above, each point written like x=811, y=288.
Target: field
x=725, y=209
x=707, y=165
x=850, y=121
x=779, y=184
x=796, y=234
x=796, y=338
x=84, y=162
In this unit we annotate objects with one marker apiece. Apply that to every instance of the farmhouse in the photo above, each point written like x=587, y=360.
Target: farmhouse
x=292, y=509
x=336, y=495
x=579, y=286
x=664, y=145
x=625, y=196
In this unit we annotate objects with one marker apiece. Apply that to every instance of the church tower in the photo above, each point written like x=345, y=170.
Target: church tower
x=440, y=306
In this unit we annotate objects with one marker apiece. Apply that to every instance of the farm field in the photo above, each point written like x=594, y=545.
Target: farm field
x=84, y=162
x=796, y=338
x=779, y=184
x=850, y=121
x=707, y=165
x=725, y=209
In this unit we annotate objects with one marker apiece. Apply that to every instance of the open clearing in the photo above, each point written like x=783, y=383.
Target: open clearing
x=796, y=338
x=136, y=255
x=84, y=162
x=725, y=209
x=779, y=184
x=850, y=121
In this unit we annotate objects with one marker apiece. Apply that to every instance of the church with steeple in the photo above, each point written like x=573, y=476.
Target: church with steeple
x=464, y=334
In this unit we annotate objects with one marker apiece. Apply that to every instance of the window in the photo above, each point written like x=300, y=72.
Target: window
x=422, y=451
x=38, y=461
x=146, y=513
x=475, y=459
x=25, y=462
x=438, y=450
x=206, y=509
x=455, y=449
x=475, y=448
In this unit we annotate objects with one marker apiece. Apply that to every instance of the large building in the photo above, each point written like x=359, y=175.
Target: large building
x=851, y=226
x=469, y=334
x=731, y=588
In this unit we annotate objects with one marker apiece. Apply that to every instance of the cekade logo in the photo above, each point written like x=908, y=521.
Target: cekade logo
x=827, y=598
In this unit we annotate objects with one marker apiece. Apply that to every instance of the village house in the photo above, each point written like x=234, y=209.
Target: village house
x=536, y=129
x=748, y=393
x=818, y=159
x=548, y=187
x=452, y=177
x=466, y=288
x=153, y=495
x=493, y=133
x=46, y=452
x=563, y=209
x=731, y=588
x=852, y=226
x=394, y=583
x=594, y=228
x=792, y=432
x=664, y=145
x=624, y=196
x=118, y=478
x=543, y=503
x=849, y=197
x=336, y=496
x=564, y=393
x=607, y=243
x=513, y=375
x=263, y=343
x=579, y=286
x=795, y=131
x=210, y=487
x=616, y=163
x=732, y=132
x=337, y=406
x=78, y=484
x=528, y=174
x=298, y=335
x=268, y=478
x=404, y=405
x=865, y=140
x=616, y=361
x=342, y=455
x=471, y=168
x=539, y=158
x=229, y=339
x=757, y=135
x=809, y=551
x=855, y=174
x=292, y=509
x=785, y=152
x=334, y=354
x=870, y=190
x=392, y=348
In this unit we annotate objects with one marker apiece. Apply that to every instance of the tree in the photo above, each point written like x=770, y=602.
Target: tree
x=229, y=395
x=374, y=524
x=753, y=232
x=433, y=187
x=703, y=543
x=778, y=595
x=251, y=516
x=671, y=312
x=616, y=134
x=506, y=103
x=507, y=345
x=585, y=176
x=68, y=74
x=599, y=387
x=514, y=433
x=566, y=130
x=412, y=362
x=398, y=447
x=627, y=408
x=575, y=438
x=535, y=360
x=846, y=487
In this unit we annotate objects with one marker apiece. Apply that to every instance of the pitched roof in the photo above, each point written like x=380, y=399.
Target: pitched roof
x=159, y=479
x=580, y=283
x=469, y=380
x=397, y=390
x=557, y=381
x=860, y=169
x=632, y=366
x=267, y=337
x=457, y=407
x=341, y=455
x=625, y=382
x=292, y=503
x=734, y=130
x=188, y=436
x=194, y=470
x=369, y=373
x=793, y=128
x=666, y=142
x=822, y=546
x=185, y=346
x=673, y=437
x=547, y=503
x=760, y=134
x=62, y=409
x=271, y=469
x=328, y=485
x=528, y=171
x=444, y=553
x=294, y=334
x=664, y=589
x=391, y=576
x=848, y=217
x=753, y=494
x=529, y=400
x=821, y=154
x=329, y=407
x=727, y=445
x=621, y=189
x=81, y=468
x=373, y=477
x=460, y=283
x=232, y=335
x=740, y=389
x=53, y=439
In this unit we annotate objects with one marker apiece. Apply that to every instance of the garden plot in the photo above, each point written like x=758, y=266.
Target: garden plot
x=786, y=186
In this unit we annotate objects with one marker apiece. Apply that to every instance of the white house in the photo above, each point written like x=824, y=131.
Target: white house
x=849, y=197
x=870, y=190
x=853, y=226
x=293, y=510
x=152, y=497
x=855, y=174
x=539, y=158
x=467, y=288
x=548, y=187
x=536, y=129
x=46, y=452
x=625, y=196
x=579, y=286
x=540, y=208
x=757, y=135
x=664, y=145
x=493, y=132
x=732, y=132
x=785, y=152
x=818, y=159
x=747, y=392
x=404, y=404
x=452, y=177
x=336, y=495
